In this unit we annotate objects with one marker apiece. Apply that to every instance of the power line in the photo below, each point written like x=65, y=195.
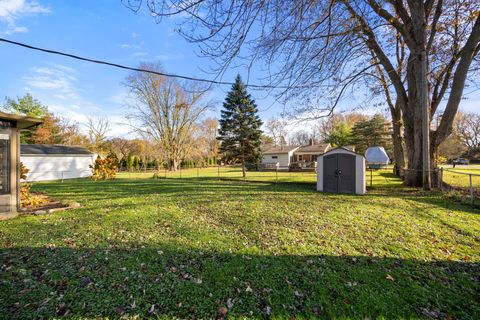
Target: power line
x=116, y=65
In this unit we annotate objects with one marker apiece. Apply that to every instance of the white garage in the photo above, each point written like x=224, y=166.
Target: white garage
x=341, y=171
x=54, y=162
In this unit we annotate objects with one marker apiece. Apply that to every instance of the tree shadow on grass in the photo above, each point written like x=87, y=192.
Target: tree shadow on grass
x=121, y=188
x=189, y=283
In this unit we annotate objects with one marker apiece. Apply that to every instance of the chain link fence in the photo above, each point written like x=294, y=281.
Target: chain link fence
x=462, y=182
x=277, y=175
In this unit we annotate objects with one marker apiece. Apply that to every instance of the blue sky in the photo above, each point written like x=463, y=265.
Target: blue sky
x=104, y=30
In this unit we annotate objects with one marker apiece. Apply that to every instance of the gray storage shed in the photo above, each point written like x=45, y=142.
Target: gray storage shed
x=341, y=171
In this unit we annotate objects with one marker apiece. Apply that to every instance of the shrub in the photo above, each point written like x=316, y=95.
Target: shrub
x=442, y=160
x=30, y=199
x=23, y=171
x=26, y=197
x=105, y=168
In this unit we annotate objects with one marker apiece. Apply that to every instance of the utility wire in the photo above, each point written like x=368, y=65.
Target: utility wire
x=116, y=65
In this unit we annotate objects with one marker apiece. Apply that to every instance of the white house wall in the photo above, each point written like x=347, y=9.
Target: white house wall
x=282, y=158
x=44, y=168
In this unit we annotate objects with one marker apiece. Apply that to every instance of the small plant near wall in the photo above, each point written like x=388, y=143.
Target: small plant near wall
x=27, y=198
x=105, y=168
x=23, y=171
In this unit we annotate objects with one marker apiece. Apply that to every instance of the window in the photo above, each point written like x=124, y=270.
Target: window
x=314, y=157
x=274, y=157
x=300, y=157
x=4, y=160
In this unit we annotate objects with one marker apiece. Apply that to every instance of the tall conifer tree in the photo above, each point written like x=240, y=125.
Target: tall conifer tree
x=239, y=132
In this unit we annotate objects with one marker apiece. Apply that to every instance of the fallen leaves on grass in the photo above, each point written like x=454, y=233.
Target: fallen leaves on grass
x=389, y=278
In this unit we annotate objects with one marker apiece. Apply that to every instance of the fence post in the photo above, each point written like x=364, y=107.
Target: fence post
x=180, y=171
x=470, y=179
x=165, y=172
x=198, y=172
x=471, y=190
x=371, y=178
x=218, y=171
x=276, y=174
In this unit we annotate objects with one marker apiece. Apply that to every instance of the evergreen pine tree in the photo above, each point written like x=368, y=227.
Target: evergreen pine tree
x=239, y=132
x=372, y=132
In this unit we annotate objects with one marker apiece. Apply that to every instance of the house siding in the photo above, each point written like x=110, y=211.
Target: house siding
x=283, y=159
x=55, y=167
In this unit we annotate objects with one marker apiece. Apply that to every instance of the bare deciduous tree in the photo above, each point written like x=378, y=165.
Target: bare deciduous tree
x=166, y=111
x=208, y=131
x=276, y=129
x=467, y=127
x=98, y=127
x=300, y=138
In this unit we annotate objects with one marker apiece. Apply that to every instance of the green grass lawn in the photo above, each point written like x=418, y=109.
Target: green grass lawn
x=458, y=177
x=207, y=248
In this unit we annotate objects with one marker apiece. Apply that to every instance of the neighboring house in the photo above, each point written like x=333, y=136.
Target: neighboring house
x=282, y=155
x=310, y=152
x=287, y=155
x=53, y=162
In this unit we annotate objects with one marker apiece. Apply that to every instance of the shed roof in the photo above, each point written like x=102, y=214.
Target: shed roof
x=279, y=150
x=321, y=148
x=344, y=149
x=23, y=122
x=52, y=149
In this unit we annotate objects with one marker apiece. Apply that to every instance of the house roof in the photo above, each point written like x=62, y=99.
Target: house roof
x=23, y=122
x=279, y=150
x=52, y=149
x=320, y=148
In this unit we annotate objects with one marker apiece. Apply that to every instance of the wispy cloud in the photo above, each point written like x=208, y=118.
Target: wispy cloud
x=129, y=46
x=139, y=54
x=13, y=10
x=58, y=78
x=16, y=30
x=59, y=88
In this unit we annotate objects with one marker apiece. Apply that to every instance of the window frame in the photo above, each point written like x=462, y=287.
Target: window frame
x=5, y=158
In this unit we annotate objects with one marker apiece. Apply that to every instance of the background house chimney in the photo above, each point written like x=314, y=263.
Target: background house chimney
x=310, y=142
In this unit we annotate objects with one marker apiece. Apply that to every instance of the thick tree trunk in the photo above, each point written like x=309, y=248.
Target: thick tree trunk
x=172, y=164
x=418, y=57
x=398, y=148
x=434, y=164
x=413, y=127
